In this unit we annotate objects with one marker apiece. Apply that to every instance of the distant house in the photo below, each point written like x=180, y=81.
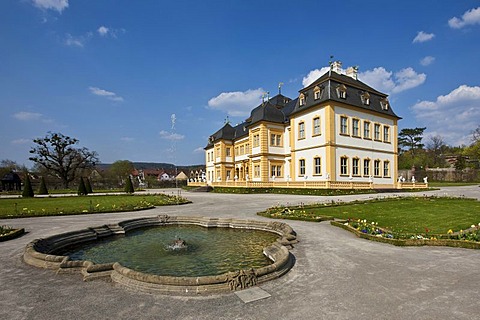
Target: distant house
x=11, y=182
x=181, y=176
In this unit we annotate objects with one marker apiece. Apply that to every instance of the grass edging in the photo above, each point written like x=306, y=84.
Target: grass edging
x=13, y=234
x=409, y=242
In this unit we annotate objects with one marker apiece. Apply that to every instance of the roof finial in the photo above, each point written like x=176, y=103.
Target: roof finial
x=280, y=84
x=227, y=120
x=330, y=63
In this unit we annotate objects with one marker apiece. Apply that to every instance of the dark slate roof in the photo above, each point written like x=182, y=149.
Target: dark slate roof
x=276, y=109
x=11, y=177
x=329, y=82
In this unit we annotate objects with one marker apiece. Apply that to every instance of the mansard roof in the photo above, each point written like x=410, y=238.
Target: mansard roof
x=328, y=84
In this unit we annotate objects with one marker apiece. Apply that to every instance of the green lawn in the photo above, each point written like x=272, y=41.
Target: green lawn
x=451, y=184
x=409, y=215
x=30, y=207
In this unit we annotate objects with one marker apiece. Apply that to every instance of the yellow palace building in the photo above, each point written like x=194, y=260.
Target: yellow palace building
x=338, y=133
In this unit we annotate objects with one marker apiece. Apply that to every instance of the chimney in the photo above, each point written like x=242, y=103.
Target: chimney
x=337, y=67
x=352, y=72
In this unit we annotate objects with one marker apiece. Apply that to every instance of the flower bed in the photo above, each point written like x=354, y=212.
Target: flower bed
x=292, y=213
x=370, y=230
x=7, y=233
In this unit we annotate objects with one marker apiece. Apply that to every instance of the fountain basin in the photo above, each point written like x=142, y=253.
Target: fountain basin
x=44, y=253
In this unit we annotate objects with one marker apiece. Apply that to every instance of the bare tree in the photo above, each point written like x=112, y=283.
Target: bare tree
x=436, y=147
x=57, y=155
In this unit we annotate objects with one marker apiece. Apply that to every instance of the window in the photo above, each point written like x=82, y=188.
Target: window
x=318, y=165
x=386, y=134
x=366, y=167
x=228, y=174
x=317, y=93
x=342, y=91
x=256, y=171
x=386, y=169
x=377, y=132
x=316, y=126
x=276, y=171
x=275, y=140
x=365, y=98
x=376, y=168
x=256, y=140
x=384, y=104
x=228, y=152
x=247, y=148
x=355, y=166
x=343, y=165
x=301, y=164
x=218, y=152
x=242, y=150
x=236, y=151
x=366, y=130
x=343, y=125
x=302, y=99
x=356, y=127
x=301, y=130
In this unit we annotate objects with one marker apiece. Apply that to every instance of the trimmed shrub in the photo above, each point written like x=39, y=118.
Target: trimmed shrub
x=43, y=187
x=88, y=186
x=82, y=190
x=27, y=188
x=129, y=186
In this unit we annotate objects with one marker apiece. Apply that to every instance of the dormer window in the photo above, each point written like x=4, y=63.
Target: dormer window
x=317, y=93
x=385, y=104
x=302, y=100
x=365, y=98
x=342, y=91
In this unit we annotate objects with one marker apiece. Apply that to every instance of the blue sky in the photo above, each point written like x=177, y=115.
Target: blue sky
x=112, y=73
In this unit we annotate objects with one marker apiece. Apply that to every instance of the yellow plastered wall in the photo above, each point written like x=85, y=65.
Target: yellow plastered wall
x=330, y=140
x=292, y=147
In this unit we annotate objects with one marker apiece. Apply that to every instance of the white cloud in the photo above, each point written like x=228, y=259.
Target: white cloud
x=378, y=78
x=470, y=17
x=104, y=93
x=102, y=31
x=426, y=61
x=27, y=116
x=314, y=75
x=109, y=32
x=77, y=41
x=170, y=135
x=238, y=103
x=453, y=116
x=199, y=150
x=127, y=139
x=387, y=81
x=21, y=141
x=423, y=37
x=58, y=5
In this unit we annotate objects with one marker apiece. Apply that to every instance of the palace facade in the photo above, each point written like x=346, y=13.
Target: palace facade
x=338, y=133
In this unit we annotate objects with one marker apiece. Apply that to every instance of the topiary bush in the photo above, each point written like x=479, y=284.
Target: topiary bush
x=82, y=190
x=129, y=186
x=88, y=186
x=43, y=190
x=27, y=187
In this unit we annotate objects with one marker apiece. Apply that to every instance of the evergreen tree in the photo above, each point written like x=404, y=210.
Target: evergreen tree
x=27, y=187
x=82, y=190
x=43, y=187
x=129, y=186
x=88, y=186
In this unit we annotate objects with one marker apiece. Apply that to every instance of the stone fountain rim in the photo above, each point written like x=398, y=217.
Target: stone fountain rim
x=41, y=253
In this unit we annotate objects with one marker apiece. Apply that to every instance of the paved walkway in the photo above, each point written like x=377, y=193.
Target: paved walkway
x=336, y=275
